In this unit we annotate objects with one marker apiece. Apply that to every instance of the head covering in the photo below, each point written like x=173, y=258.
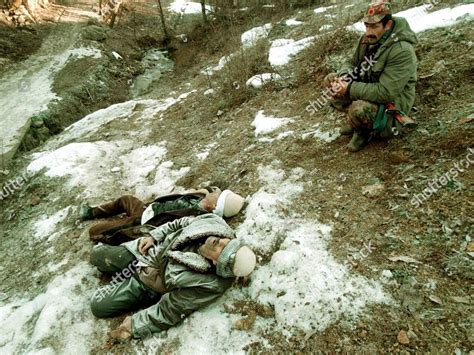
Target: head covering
x=236, y=260
x=377, y=11
x=228, y=204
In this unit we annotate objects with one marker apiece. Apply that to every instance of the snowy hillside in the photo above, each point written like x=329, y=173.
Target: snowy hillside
x=299, y=206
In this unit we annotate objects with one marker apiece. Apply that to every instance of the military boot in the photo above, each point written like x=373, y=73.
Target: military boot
x=346, y=130
x=358, y=141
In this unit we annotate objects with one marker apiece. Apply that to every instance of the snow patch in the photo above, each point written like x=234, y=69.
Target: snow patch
x=282, y=50
x=46, y=226
x=308, y=288
x=326, y=136
x=61, y=314
x=88, y=166
x=252, y=36
x=420, y=19
x=266, y=124
x=222, y=62
x=277, y=138
x=257, y=81
x=321, y=10
x=325, y=28
x=293, y=22
x=209, y=92
x=183, y=7
x=205, y=153
x=122, y=111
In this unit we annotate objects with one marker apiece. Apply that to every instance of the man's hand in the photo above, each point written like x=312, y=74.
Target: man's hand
x=123, y=332
x=145, y=244
x=329, y=80
x=339, y=87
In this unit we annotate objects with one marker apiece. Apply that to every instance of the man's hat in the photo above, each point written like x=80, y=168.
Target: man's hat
x=236, y=260
x=377, y=11
x=228, y=204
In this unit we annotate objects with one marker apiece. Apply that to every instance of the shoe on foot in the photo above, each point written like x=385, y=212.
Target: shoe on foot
x=85, y=212
x=357, y=142
x=346, y=130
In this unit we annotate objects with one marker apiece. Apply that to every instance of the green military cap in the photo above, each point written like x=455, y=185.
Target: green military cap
x=377, y=11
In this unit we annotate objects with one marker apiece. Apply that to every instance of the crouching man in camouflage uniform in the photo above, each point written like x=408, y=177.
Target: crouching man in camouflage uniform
x=377, y=86
x=184, y=265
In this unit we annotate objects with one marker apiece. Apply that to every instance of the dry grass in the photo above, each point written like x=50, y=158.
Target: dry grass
x=231, y=80
x=319, y=59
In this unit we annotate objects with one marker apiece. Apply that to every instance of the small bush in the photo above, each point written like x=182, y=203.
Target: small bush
x=231, y=80
x=318, y=60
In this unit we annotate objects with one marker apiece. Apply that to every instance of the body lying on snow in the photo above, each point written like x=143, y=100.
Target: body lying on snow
x=182, y=266
x=377, y=86
x=162, y=210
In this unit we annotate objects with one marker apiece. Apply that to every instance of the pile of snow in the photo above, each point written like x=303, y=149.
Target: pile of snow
x=307, y=287
x=100, y=167
x=325, y=136
x=278, y=137
x=184, y=7
x=321, y=10
x=46, y=227
x=57, y=321
x=421, y=20
x=266, y=124
x=293, y=22
x=222, y=62
x=205, y=153
x=209, y=92
x=325, y=28
x=252, y=36
x=257, y=81
x=282, y=50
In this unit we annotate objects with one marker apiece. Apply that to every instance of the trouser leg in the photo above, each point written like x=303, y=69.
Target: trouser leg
x=120, y=297
x=111, y=259
x=116, y=229
x=361, y=116
x=341, y=104
x=127, y=204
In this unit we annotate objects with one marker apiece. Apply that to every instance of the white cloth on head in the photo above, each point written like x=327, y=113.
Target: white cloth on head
x=219, y=210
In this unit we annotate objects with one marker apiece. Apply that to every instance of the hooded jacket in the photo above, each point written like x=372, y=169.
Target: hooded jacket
x=392, y=77
x=189, y=280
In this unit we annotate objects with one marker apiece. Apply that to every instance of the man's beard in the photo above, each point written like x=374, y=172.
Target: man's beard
x=371, y=40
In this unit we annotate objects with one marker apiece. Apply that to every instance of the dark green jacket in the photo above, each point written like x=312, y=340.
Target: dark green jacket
x=190, y=280
x=393, y=76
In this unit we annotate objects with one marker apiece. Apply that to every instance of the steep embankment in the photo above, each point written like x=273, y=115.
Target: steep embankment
x=346, y=261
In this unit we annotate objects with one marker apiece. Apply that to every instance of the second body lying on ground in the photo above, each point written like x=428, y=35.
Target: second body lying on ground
x=184, y=265
x=162, y=210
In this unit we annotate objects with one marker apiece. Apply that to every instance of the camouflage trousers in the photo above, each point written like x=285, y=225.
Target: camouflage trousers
x=361, y=116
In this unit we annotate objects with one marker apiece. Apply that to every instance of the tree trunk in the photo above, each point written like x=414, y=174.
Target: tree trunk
x=163, y=23
x=203, y=7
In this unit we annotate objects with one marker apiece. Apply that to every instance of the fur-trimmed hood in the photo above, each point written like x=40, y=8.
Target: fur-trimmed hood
x=175, y=237
x=208, y=225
